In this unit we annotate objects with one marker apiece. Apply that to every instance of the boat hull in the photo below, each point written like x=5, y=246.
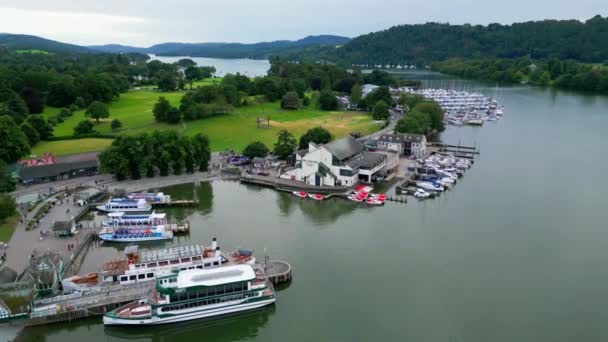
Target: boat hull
x=115, y=210
x=189, y=316
x=111, y=238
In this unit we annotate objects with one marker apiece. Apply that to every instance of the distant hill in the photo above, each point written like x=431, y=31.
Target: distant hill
x=425, y=43
x=229, y=50
x=27, y=42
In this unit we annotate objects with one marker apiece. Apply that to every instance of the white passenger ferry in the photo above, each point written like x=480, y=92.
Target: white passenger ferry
x=195, y=294
x=124, y=205
x=123, y=219
x=142, y=266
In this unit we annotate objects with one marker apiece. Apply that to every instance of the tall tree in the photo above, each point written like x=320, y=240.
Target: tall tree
x=256, y=149
x=33, y=99
x=32, y=135
x=13, y=143
x=97, y=110
x=285, y=146
x=41, y=125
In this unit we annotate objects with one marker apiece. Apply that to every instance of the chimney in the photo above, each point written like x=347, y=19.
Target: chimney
x=217, y=251
x=214, y=244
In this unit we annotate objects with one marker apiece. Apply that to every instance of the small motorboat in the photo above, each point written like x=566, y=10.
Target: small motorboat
x=355, y=198
x=420, y=193
x=373, y=201
x=364, y=188
x=381, y=197
x=316, y=197
x=300, y=194
x=429, y=186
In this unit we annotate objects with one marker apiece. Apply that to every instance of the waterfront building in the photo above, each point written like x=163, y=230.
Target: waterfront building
x=410, y=145
x=49, y=168
x=342, y=162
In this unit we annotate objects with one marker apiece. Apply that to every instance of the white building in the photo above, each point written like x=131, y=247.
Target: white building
x=404, y=144
x=342, y=162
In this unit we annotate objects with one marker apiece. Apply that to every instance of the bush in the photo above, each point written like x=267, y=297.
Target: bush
x=291, y=100
x=256, y=149
x=327, y=100
x=116, y=124
x=84, y=127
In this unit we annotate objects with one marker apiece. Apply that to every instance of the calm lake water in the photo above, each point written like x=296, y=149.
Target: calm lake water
x=517, y=251
x=248, y=67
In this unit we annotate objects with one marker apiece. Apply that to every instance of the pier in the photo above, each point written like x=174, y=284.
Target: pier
x=174, y=203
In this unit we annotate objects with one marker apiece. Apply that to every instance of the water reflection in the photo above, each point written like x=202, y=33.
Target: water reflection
x=235, y=327
x=327, y=211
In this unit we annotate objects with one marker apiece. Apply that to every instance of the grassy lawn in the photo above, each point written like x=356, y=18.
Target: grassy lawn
x=63, y=147
x=7, y=228
x=206, y=82
x=234, y=131
x=238, y=129
x=38, y=52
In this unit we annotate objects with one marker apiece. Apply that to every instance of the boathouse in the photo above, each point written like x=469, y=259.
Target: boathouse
x=342, y=162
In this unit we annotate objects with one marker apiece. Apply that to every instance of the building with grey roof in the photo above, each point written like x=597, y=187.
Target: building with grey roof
x=64, y=167
x=404, y=144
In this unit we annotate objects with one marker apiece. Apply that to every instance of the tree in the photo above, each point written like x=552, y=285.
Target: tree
x=33, y=100
x=414, y=123
x=41, y=125
x=410, y=100
x=7, y=183
x=202, y=151
x=97, y=110
x=290, y=100
x=256, y=149
x=161, y=108
x=285, y=145
x=192, y=73
x=327, y=100
x=380, y=111
x=167, y=81
x=116, y=124
x=32, y=135
x=186, y=63
x=13, y=143
x=379, y=94
x=317, y=135
x=434, y=113
x=84, y=127
x=355, y=94
x=14, y=107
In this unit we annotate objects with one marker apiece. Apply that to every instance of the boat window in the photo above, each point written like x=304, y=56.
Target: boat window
x=152, y=264
x=173, y=280
x=173, y=262
x=150, y=275
x=141, y=276
x=200, y=267
x=123, y=278
x=185, y=260
x=163, y=263
x=215, y=263
x=207, y=264
x=132, y=277
x=196, y=258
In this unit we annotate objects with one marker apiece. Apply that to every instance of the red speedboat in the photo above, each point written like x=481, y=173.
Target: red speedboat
x=374, y=201
x=316, y=197
x=300, y=194
x=381, y=197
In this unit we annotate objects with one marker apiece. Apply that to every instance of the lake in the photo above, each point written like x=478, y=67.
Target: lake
x=515, y=252
x=248, y=67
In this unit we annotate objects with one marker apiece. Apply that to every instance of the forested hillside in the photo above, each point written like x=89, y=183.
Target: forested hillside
x=423, y=44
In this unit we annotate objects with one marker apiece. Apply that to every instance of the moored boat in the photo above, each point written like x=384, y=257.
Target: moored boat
x=316, y=197
x=300, y=194
x=125, y=205
x=429, y=186
x=123, y=219
x=374, y=201
x=195, y=294
x=156, y=233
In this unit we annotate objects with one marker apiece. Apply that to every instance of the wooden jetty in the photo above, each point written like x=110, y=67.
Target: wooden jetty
x=175, y=203
x=179, y=228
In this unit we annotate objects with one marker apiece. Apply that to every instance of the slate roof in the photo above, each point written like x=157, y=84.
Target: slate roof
x=62, y=226
x=399, y=138
x=344, y=148
x=64, y=164
x=366, y=160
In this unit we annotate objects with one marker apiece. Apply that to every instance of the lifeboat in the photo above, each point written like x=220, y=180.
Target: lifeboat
x=355, y=198
x=300, y=194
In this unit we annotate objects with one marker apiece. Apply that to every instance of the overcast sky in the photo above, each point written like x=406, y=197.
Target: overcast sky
x=143, y=23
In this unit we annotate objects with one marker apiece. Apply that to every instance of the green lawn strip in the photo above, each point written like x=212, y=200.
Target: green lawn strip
x=63, y=147
x=7, y=228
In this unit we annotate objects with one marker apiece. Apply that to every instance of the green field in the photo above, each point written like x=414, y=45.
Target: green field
x=7, y=228
x=62, y=147
x=38, y=52
x=234, y=131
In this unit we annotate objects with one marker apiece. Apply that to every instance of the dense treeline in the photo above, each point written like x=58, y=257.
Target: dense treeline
x=157, y=153
x=566, y=74
x=423, y=44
